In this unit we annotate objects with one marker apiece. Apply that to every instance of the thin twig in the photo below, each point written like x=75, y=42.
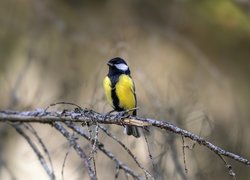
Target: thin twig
x=149, y=152
x=101, y=147
x=62, y=103
x=147, y=173
x=64, y=162
x=229, y=167
x=33, y=131
x=35, y=149
x=117, y=172
x=77, y=148
x=184, y=155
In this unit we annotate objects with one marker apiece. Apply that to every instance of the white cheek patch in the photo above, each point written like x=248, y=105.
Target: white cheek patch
x=121, y=66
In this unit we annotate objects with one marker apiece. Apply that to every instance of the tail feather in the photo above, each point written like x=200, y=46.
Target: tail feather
x=132, y=130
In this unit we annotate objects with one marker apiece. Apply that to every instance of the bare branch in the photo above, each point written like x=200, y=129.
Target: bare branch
x=172, y=128
x=147, y=173
x=33, y=131
x=90, y=117
x=101, y=147
x=77, y=148
x=184, y=155
x=35, y=149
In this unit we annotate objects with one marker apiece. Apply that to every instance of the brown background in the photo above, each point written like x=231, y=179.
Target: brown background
x=189, y=60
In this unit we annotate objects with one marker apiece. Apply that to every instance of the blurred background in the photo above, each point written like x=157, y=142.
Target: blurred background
x=189, y=60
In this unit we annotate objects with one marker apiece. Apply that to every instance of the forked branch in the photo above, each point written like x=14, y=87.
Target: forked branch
x=90, y=117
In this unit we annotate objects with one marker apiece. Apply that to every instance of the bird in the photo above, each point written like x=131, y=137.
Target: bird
x=119, y=89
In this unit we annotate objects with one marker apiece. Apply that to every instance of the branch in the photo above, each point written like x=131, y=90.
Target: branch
x=77, y=148
x=37, y=152
x=172, y=128
x=101, y=147
x=147, y=173
x=91, y=117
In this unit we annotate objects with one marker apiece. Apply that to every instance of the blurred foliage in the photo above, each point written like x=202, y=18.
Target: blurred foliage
x=189, y=60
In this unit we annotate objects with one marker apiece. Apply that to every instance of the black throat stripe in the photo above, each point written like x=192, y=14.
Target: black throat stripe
x=115, y=99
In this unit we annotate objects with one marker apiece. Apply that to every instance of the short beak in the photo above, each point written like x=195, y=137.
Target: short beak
x=110, y=64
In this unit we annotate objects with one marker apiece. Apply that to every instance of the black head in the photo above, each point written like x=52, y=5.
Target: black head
x=118, y=66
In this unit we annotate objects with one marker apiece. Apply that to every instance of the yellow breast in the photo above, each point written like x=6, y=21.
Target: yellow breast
x=107, y=89
x=125, y=92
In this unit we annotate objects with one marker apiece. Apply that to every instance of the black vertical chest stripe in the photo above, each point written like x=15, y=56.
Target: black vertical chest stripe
x=115, y=100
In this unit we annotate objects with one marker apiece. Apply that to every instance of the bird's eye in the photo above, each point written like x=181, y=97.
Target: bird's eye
x=121, y=66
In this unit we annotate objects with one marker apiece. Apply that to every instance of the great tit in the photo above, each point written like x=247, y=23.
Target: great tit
x=120, y=90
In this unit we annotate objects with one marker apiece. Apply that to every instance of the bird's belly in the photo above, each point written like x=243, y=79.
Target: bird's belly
x=125, y=92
